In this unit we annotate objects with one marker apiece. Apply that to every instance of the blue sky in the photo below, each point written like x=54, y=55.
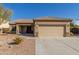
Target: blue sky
x=31, y=10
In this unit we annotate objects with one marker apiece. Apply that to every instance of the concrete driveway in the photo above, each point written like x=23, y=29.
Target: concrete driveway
x=57, y=46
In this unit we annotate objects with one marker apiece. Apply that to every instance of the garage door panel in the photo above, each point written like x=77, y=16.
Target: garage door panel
x=50, y=31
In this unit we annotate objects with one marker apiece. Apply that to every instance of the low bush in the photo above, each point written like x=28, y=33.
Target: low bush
x=17, y=40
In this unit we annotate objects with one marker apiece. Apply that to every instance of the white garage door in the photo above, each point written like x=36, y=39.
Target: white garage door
x=50, y=31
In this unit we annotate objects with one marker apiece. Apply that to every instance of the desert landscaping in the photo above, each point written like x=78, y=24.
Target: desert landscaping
x=39, y=46
x=26, y=47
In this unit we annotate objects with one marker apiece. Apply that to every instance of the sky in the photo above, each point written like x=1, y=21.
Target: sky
x=36, y=10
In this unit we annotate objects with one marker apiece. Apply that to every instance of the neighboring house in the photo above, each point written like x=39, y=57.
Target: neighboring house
x=42, y=27
x=4, y=27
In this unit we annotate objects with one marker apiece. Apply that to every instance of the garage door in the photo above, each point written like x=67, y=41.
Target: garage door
x=50, y=31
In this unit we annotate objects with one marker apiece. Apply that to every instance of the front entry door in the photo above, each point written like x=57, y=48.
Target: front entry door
x=29, y=29
x=26, y=30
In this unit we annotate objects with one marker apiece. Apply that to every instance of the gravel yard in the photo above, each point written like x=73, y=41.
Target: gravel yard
x=27, y=47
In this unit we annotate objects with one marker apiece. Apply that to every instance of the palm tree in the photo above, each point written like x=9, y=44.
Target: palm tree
x=5, y=15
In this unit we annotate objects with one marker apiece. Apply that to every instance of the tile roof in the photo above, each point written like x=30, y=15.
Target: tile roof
x=23, y=21
x=52, y=18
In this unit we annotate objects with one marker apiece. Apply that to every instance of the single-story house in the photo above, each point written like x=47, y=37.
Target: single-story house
x=42, y=27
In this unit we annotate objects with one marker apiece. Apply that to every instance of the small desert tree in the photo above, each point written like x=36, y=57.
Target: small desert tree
x=5, y=15
x=72, y=25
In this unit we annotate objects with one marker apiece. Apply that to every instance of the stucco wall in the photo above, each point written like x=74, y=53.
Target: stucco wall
x=5, y=25
x=68, y=29
x=66, y=24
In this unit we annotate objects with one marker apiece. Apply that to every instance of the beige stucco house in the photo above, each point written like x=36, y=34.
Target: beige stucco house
x=42, y=27
x=4, y=27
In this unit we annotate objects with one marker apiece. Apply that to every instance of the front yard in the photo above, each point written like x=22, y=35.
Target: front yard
x=39, y=46
x=26, y=47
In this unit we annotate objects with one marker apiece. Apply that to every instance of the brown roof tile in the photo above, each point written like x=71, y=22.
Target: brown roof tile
x=25, y=21
x=53, y=18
